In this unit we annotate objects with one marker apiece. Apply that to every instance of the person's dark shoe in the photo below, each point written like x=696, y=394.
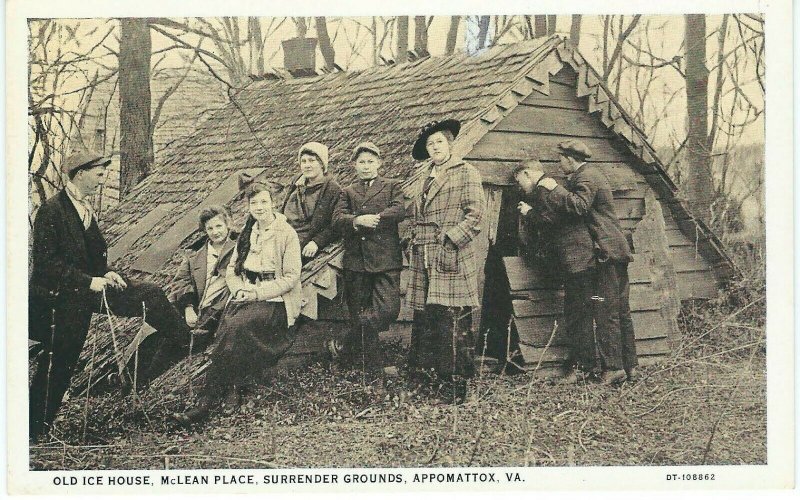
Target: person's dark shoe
x=193, y=415
x=613, y=377
x=232, y=401
x=201, y=337
x=459, y=392
x=633, y=375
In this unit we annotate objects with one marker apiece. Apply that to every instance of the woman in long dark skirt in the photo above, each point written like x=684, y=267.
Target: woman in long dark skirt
x=255, y=331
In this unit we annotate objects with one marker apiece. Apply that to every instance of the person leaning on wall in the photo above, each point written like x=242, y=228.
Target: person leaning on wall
x=567, y=236
x=367, y=216
x=199, y=288
x=587, y=194
x=257, y=326
x=443, y=286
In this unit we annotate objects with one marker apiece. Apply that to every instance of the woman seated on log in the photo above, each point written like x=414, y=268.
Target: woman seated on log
x=312, y=196
x=256, y=329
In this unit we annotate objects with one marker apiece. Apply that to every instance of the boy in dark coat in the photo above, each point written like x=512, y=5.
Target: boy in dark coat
x=568, y=235
x=587, y=194
x=70, y=280
x=367, y=216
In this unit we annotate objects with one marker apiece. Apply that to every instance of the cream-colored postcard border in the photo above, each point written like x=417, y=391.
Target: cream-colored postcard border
x=779, y=473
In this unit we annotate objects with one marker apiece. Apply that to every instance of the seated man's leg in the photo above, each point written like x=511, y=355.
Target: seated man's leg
x=160, y=350
x=144, y=297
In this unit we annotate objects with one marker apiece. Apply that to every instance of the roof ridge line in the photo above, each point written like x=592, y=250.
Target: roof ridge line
x=602, y=100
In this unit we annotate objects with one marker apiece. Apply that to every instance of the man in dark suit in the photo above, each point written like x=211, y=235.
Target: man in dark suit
x=70, y=280
x=568, y=237
x=367, y=215
x=587, y=194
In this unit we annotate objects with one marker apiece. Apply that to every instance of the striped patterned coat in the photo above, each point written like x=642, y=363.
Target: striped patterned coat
x=453, y=208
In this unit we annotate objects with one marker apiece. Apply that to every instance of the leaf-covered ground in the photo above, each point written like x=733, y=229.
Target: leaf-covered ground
x=705, y=404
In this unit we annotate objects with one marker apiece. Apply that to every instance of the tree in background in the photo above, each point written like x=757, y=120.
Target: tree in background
x=63, y=73
x=648, y=77
x=421, y=35
x=698, y=185
x=575, y=30
x=402, y=39
x=136, y=138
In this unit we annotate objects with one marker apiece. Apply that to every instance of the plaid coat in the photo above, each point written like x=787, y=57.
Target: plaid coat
x=454, y=208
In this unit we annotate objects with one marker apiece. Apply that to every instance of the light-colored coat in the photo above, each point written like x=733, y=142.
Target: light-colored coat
x=287, y=271
x=454, y=208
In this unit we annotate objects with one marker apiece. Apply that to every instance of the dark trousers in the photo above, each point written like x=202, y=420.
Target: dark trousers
x=615, y=336
x=578, y=291
x=153, y=354
x=439, y=341
x=62, y=324
x=373, y=302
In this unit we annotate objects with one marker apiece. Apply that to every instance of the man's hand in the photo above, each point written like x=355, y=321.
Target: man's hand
x=548, y=183
x=191, y=316
x=523, y=208
x=115, y=280
x=245, y=296
x=310, y=249
x=370, y=221
x=98, y=284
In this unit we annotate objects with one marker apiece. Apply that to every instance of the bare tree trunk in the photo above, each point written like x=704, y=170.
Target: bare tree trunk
x=256, y=45
x=452, y=34
x=539, y=26
x=402, y=39
x=420, y=35
x=374, y=41
x=301, y=26
x=136, y=140
x=325, y=45
x=699, y=187
x=551, y=25
x=483, y=31
x=575, y=30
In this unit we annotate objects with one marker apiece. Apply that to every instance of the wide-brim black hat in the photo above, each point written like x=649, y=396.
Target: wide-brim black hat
x=420, y=151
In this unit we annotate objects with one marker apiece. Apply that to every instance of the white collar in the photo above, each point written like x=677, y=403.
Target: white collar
x=74, y=192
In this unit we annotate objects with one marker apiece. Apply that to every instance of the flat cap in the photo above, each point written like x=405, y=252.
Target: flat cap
x=576, y=149
x=366, y=146
x=83, y=158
